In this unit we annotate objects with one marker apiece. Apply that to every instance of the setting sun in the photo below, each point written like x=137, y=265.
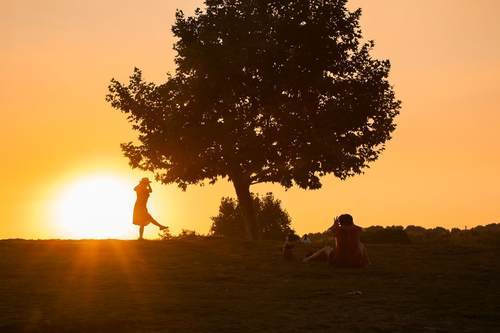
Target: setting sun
x=96, y=206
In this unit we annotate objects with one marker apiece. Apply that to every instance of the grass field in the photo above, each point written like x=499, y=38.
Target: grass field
x=209, y=285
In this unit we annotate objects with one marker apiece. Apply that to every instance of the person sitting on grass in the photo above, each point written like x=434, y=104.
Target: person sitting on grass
x=348, y=252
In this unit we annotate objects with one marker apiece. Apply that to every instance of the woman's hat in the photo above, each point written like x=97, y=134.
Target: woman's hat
x=145, y=180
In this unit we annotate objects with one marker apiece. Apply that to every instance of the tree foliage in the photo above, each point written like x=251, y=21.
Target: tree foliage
x=272, y=220
x=280, y=91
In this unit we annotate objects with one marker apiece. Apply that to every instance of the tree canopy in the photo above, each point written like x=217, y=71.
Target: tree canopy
x=280, y=91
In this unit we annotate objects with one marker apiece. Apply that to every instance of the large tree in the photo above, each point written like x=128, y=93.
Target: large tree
x=280, y=91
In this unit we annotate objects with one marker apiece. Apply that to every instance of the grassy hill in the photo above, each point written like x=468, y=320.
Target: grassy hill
x=209, y=285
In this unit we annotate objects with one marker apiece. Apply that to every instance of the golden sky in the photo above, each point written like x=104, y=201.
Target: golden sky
x=441, y=168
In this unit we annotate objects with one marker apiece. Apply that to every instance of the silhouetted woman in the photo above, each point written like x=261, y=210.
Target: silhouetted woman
x=348, y=251
x=141, y=215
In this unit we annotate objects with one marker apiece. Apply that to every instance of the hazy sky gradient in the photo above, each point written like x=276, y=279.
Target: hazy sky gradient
x=441, y=168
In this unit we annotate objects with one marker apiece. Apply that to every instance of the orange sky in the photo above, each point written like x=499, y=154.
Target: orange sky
x=441, y=168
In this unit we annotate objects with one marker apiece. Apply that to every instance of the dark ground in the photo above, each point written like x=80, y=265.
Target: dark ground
x=222, y=286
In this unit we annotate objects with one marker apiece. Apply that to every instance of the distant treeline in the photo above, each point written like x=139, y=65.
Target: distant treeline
x=274, y=223
x=489, y=234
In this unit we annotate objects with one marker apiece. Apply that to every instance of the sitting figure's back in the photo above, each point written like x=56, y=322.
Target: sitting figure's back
x=349, y=251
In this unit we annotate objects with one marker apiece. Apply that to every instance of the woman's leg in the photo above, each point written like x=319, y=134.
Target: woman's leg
x=326, y=251
x=153, y=221
x=141, y=231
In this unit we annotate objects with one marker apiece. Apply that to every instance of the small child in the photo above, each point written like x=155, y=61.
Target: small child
x=288, y=247
x=305, y=239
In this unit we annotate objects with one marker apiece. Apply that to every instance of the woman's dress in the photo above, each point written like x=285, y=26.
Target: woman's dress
x=141, y=214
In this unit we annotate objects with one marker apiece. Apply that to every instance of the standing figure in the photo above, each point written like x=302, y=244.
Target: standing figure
x=289, y=245
x=141, y=215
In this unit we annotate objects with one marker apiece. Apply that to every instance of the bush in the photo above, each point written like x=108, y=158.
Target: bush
x=165, y=234
x=378, y=234
x=273, y=221
x=188, y=234
x=184, y=234
x=370, y=235
x=485, y=235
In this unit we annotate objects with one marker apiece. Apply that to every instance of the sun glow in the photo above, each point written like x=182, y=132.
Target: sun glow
x=96, y=206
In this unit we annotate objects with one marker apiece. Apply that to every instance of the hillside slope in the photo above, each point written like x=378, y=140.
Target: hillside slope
x=224, y=286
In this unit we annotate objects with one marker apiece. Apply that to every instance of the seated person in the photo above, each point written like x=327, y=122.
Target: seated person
x=348, y=252
x=305, y=239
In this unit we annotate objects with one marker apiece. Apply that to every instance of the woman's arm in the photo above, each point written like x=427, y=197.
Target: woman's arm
x=335, y=226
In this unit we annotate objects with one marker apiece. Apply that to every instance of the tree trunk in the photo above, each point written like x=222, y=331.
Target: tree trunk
x=247, y=208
